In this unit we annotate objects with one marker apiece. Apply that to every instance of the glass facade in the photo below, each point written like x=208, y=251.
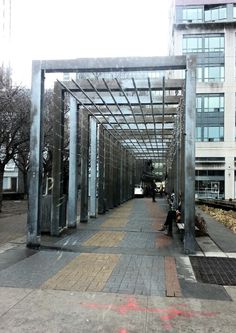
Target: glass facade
x=210, y=118
x=194, y=14
x=203, y=43
x=209, y=183
x=211, y=73
x=215, y=13
x=234, y=12
x=209, y=49
x=205, y=13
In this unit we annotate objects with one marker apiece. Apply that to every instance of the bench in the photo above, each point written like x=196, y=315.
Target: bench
x=180, y=227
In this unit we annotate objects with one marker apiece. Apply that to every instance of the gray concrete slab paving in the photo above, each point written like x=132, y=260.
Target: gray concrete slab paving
x=9, y=297
x=68, y=312
x=190, y=315
x=34, y=270
x=133, y=298
x=14, y=255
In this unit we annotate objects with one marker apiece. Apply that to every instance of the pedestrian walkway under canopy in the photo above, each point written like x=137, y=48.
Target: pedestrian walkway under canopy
x=125, y=114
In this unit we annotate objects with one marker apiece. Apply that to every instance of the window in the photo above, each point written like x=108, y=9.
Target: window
x=6, y=183
x=199, y=104
x=198, y=134
x=211, y=73
x=215, y=13
x=214, y=43
x=210, y=117
x=192, y=44
x=213, y=134
x=203, y=43
x=193, y=14
x=209, y=183
x=210, y=103
x=234, y=12
x=214, y=73
x=210, y=134
x=213, y=103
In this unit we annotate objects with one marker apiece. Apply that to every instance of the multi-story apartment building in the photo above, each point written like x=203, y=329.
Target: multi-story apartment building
x=207, y=28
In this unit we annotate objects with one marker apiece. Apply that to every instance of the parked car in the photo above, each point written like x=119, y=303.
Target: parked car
x=138, y=191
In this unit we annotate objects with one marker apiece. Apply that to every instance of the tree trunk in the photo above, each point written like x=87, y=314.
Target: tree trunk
x=1, y=188
x=25, y=179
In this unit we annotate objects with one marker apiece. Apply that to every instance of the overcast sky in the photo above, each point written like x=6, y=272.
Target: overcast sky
x=60, y=29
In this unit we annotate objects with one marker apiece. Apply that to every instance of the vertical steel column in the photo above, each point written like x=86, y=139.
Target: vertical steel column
x=93, y=167
x=35, y=171
x=114, y=173
x=189, y=157
x=107, y=163
x=119, y=174
x=121, y=162
x=128, y=180
x=84, y=166
x=111, y=177
x=73, y=165
x=178, y=176
x=130, y=175
x=57, y=167
x=133, y=174
x=101, y=178
x=126, y=175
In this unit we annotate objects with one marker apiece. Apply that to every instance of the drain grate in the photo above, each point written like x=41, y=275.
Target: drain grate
x=215, y=270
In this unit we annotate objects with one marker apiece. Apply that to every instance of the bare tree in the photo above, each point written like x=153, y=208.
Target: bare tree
x=14, y=121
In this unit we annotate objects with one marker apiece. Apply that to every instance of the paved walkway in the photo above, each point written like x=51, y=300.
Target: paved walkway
x=117, y=273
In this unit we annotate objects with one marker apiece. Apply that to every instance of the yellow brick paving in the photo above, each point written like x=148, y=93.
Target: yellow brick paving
x=87, y=272
x=115, y=222
x=105, y=239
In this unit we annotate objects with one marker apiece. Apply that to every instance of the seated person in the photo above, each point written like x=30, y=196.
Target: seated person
x=173, y=214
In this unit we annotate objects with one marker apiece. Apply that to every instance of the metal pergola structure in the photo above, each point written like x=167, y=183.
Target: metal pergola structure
x=137, y=120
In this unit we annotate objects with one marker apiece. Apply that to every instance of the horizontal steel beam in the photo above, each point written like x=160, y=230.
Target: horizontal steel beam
x=136, y=111
x=121, y=101
x=140, y=120
x=141, y=85
x=113, y=64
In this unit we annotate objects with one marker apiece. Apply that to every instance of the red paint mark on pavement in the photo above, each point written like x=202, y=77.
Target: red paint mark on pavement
x=165, y=314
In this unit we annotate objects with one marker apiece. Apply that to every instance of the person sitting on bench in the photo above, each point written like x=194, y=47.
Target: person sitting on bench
x=173, y=214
